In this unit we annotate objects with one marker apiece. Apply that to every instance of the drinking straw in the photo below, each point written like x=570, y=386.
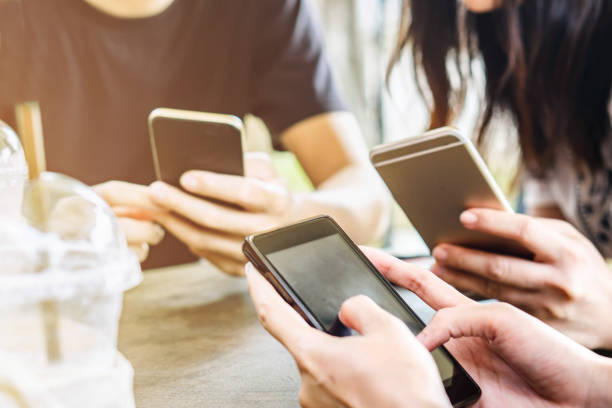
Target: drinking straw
x=29, y=126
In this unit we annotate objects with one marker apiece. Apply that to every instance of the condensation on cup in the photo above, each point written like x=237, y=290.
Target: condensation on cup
x=13, y=173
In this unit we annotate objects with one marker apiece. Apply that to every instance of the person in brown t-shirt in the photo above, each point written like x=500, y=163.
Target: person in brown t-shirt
x=98, y=67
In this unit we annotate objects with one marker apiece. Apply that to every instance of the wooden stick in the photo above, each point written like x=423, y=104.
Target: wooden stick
x=29, y=127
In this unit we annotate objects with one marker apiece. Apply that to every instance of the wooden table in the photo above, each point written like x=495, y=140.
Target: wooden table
x=192, y=335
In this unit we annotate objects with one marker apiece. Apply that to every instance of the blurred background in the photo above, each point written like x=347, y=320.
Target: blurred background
x=359, y=37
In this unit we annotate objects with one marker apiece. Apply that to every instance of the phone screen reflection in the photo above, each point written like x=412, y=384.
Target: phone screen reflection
x=325, y=272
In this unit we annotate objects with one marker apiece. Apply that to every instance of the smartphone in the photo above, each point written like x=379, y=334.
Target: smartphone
x=183, y=140
x=315, y=267
x=434, y=178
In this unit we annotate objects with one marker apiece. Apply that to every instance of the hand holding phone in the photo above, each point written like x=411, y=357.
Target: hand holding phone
x=568, y=286
x=213, y=193
x=198, y=214
x=434, y=178
x=315, y=267
x=527, y=364
x=359, y=366
x=516, y=359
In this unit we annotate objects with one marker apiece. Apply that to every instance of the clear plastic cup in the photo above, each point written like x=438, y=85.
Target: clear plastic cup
x=62, y=278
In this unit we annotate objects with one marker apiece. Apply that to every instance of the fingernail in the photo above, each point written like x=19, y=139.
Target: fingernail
x=440, y=254
x=158, y=191
x=189, y=181
x=468, y=218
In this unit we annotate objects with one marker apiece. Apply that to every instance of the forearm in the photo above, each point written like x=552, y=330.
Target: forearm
x=355, y=197
x=333, y=154
x=601, y=298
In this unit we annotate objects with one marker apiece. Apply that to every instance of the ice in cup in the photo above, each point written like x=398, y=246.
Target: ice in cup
x=63, y=271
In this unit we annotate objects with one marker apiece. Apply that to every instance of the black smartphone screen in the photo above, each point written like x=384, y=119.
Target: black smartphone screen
x=328, y=273
x=321, y=268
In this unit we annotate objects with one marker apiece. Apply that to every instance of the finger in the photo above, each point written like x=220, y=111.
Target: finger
x=520, y=340
x=469, y=320
x=141, y=250
x=137, y=231
x=200, y=240
x=120, y=193
x=524, y=298
x=223, y=263
x=362, y=314
x=137, y=213
x=508, y=270
x=249, y=193
x=276, y=316
x=205, y=213
x=432, y=290
x=528, y=231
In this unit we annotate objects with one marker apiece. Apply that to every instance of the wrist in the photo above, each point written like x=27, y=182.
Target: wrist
x=601, y=391
x=303, y=205
x=428, y=393
x=300, y=205
x=414, y=399
x=605, y=340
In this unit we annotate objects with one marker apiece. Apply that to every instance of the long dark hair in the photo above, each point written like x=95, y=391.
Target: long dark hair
x=548, y=63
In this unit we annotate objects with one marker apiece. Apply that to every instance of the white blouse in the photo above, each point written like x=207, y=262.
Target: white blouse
x=584, y=197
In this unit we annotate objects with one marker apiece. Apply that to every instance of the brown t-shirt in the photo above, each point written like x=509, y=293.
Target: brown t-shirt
x=97, y=77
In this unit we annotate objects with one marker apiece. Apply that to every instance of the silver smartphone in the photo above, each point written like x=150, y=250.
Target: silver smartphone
x=434, y=177
x=183, y=140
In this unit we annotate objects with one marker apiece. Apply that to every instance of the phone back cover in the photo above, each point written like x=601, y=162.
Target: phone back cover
x=434, y=188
